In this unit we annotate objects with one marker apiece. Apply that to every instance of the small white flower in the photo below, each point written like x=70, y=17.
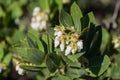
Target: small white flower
x=17, y=21
x=56, y=42
x=35, y=25
x=62, y=46
x=38, y=18
x=59, y=33
x=20, y=70
x=68, y=50
x=116, y=45
x=43, y=24
x=65, y=1
x=80, y=45
x=73, y=51
x=33, y=19
x=0, y=69
x=36, y=11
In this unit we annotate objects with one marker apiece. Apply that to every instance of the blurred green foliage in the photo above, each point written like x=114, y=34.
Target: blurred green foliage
x=99, y=61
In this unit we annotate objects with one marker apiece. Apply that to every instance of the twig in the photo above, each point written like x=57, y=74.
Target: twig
x=116, y=10
x=112, y=23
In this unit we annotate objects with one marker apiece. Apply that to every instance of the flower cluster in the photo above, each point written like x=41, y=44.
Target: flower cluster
x=67, y=39
x=116, y=42
x=17, y=67
x=39, y=19
x=20, y=70
x=65, y=1
x=2, y=67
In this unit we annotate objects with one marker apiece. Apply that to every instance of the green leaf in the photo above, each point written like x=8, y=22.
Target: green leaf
x=31, y=43
x=115, y=70
x=85, y=22
x=48, y=43
x=30, y=67
x=2, y=13
x=76, y=16
x=59, y=4
x=35, y=56
x=51, y=45
x=92, y=18
x=98, y=65
x=44, y=74
x=44, y=5
x=1, y=51
x=90, y=36
x=52, y=62
x=65, y=19
x=73, y=72
x=105, y=40
x=70, y=62
x=96, y=42
x=104, y=65
x=7, y=59
x=16, y=10
x=18, y=35
x=60, y=77
x=33, y=40
x=40, y=46
x=118, y=59
x=21, y=52
x=75, y=57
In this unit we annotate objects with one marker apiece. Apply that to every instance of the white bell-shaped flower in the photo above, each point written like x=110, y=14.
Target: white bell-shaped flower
x=59, y=33
x=44, y=24
x=73, y=51
x=38, y=18
x=36, y=11
x=116, y=45
x=20, y=70
x=80, y=45
x=68, y=50
x=62, y=46
x=56, y=42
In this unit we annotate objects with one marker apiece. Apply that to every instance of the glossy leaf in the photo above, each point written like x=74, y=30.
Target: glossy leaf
x=98, y=65
x=105, y=40
x=52, y=62
x=35, y=56
x=90, y=36
x=96, y=42
x=31, y=43
x=73, y=72
x=48, y=42
x=65, y=19
x=76, y=16
x=21, y=52
x=91, y=17
x=85, y=22
x=104, y=65
x=34, y=41
x=35, y=68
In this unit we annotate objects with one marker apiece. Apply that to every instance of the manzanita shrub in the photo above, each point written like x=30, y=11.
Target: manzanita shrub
x=73, y=50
